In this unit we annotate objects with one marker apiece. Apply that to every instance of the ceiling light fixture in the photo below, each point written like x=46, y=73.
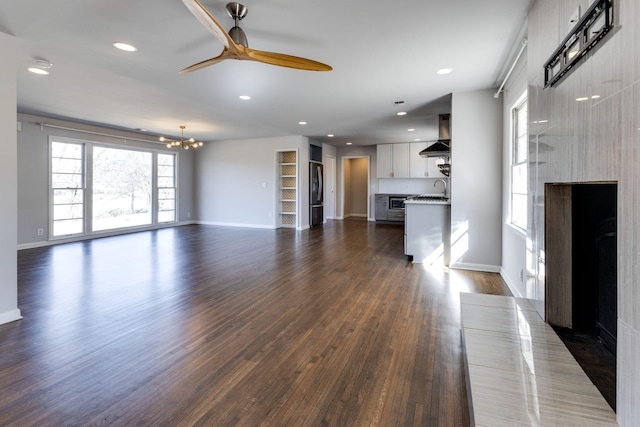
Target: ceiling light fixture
x=331, y=135
x=245, y=97
x=40, y=66
x=582, y=98
x=125, y=46
x=302, y=123
x=411, y=130
x=184, y=143
x=595, y=96
x=443, y=71
x=401, y=113
x=349, y=143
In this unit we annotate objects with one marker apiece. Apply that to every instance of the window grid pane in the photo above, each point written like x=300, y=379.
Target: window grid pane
x=519, y=165
x=67, y=188
x=166, y=187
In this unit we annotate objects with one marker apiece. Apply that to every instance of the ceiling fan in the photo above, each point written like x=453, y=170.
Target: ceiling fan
x=235, y=42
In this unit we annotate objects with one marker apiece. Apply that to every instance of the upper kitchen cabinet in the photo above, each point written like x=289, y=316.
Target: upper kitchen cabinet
x=393, y=160
x=421, y=167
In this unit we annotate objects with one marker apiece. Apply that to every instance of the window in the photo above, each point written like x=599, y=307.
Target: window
x=166, y=187
x=519, y=165
x=95, y=188
x=67, y=189
x=121, y=188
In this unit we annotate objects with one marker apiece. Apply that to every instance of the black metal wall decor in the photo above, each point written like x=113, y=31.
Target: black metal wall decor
x=596, y=22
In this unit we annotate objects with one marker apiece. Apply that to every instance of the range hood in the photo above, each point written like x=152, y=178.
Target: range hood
x=442, y=147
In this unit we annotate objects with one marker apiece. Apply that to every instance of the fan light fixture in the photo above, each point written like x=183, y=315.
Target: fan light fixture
x=184, y=143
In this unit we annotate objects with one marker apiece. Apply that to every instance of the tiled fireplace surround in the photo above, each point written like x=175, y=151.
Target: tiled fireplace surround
x=597, y=140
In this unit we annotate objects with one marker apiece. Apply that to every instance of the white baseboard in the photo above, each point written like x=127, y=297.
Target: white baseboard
x=99, y=235
x=235, y=224
x=475, y=267
x=510, y=283
x=10, y=316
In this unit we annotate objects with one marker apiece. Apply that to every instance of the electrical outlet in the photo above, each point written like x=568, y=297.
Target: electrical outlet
x=40, y=231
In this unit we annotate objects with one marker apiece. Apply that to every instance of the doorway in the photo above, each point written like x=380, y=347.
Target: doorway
x=355, y=187
x=330, y=183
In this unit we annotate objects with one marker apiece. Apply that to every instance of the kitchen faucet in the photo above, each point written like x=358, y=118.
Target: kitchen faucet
x=444, y=183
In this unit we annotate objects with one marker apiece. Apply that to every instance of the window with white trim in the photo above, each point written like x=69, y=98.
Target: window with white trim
x=96, y=187
x=67, y=185
x=519, y=164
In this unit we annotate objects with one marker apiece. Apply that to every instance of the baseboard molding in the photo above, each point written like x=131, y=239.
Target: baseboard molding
x=237, y=225
x=510, y=284
x=10, y=316
x=475, y=267
x=357, y=215
x=42, y=244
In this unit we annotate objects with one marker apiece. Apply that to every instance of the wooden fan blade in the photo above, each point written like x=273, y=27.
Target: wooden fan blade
x=209, y=22
x=283, y=60
x=224, y=55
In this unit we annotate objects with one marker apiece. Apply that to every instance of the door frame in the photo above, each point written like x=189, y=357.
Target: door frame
x=368, y=185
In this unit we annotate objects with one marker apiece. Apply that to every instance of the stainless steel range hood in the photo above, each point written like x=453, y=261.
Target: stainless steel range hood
x=442, y=147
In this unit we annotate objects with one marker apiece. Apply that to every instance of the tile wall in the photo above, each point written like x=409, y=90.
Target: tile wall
x=593, y=140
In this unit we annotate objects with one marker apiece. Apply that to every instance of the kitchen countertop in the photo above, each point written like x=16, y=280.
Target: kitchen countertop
x=435, y=201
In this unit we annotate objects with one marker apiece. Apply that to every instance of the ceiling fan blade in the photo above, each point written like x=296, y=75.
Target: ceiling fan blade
x=224, y=55
x=283, y=60
x=209, y=22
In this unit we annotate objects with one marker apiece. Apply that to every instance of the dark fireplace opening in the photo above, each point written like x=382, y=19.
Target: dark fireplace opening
x=581, y=300
x=594, y=304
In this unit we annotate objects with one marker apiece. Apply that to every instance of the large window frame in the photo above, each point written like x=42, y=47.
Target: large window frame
x=159, y=208
x=518, y=182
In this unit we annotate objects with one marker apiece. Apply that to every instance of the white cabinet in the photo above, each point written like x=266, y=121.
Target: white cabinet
x=393, y=160
x=421, y=167
x=384, y=160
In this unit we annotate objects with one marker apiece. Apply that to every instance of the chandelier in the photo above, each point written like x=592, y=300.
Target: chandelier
x=184, y=143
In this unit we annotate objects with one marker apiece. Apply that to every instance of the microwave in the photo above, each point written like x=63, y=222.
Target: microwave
x=396, y=202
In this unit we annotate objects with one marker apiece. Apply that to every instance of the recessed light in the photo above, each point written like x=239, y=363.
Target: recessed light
x=411, y=130
x=443, y=71
x=125, y=46
x=245, y=97
x=349, y=143
x=331, y=135
x=417, y=139
x=401, y=113
x=302, y=123
x=595, y=97
x=36, y=70
x=41, y=66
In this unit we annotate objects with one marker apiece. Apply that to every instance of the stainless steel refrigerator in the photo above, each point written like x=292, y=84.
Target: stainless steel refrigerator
x=316, y=210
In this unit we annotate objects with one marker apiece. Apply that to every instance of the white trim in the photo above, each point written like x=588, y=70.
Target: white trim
x=118, y=232
x=356, y=215
x=10, y=316
x=475, y=267
x=239, y=225
x=341, y=215
x=510, y=283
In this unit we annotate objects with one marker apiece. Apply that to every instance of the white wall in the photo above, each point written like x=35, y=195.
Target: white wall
x=33, y=167
x=236, y=182
x=514, y=266
x=8, y=177
x=593, y=140
x=476, y=181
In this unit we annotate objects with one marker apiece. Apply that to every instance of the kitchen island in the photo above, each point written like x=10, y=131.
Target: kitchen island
x=428, y=230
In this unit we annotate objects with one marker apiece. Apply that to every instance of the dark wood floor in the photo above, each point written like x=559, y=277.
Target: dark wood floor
x=214, y=326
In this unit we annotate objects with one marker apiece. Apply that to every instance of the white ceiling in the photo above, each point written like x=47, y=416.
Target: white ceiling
x=381, y=51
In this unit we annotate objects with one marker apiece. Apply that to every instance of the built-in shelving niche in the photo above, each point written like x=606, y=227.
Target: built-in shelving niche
x=287, y=189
